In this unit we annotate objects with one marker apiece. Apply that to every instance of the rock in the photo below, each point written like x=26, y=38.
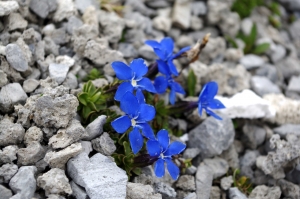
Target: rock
x=3, y=78
x=16, y=21
x=54, y=182
x=7, y=7
x=191, y=196
x=7, y=171
x=198, y=8
x=186, y=182
x=8, y=154
x=162, y=23
x=128, y=50
x=219, y=166
x=226, y=182
x=165, y=190
x=231, y=156
x=268, y=71
x=78, y=191
x=104, y=144
x=64, y=137
x=31, y=154
x=288, y=67
x=60, y=158
x=191, y=153
x=73, y=23
x=99, y=182
x=146, y=52
x=33, y=134
x=253, y=135
x=55, y=196
x=215, y=192
x=262, y=85
x=16, y=57
x=277, y=53
x=65, y=9
x=212, y=136
x=287, y=110
x=90, y=17
x=10, y=133
x=30, y=85
x=230, y=24
x=58, y=72
x=182, y=14
x=191, y=170
x=251, y=61
x=140, y=191
x=289, y=189
x=43, y=8
x=265, y=192
x=23, y=183
x=254, y=107
x=286, y=129
x=204, y=178
x=10, y=72
x=233, y=54
x=158, y=4
x=214, y=48
x=235, y=193
x=95, y=128
x=216, y=9
x=196, y=23
x=5, y=193
x=294, y=84
x=82, y=5
x=139, y=7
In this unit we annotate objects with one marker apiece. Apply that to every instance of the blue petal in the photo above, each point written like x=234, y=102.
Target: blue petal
x=153, y=148
x=121, y=124
x=136, y=140
x=174, y=149
x=168, y=44
x=122, y=89
x=181, y=51
x=215, y=104
x=208, y=92
x=146, y=84
x=161, y=53
x=172, y=67
x=160, y=84
x=146, y=130
x=213, y=114
x=139, y=67
x=200, y=108
x=172, y=95
x=159, y=168
x=173, y=169
x=163, y=139
x=140, y=96
x=123, y=72
x=177, y=87
x=163, y=67
x=153, y=43
x=146, y=113
x=129, y=104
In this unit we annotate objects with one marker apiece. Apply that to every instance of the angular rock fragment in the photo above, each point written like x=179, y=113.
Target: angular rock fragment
x=10, y=95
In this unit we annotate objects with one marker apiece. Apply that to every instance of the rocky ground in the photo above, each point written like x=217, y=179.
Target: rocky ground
x=48, y=46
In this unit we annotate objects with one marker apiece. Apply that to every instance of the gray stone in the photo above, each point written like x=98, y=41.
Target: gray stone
x=55, y=196
x=191, y=196
x=16, y=21
x=82, y=5
x=59, y=36
x=99, y=182
x=8, y=154
x=253, y=135
x=191, y=153
x=291, y=4
x=219, y=166
x=186, y=182
x=226, y=182
x=146, y=52
x=277, y=53
x=215, y=10
x=231, y=156
x=65, y=9
x=95, y=128
x=33, y=134
x=7, y=171
x=165, y=190
x=128, y=50
x=215, y=192
x=214, y=48
x=23, y=183
x=158, y=4
x=3, y=78
x=104, y=144
x=286, y=129
x=249, y=158
x=191, y=170
x=235, y=193
x=10, y=72
x=73, y=23
x=140, y=191
x=5, y=193
x=11, y=94
x=162, y=23
x=212, y=136
x=16, y=57
x=71, y=81
x=262, y=85
x=30, y=85
x=42, y=8
x=140, y=7
x=10, y=133
x=31, y=154
x=54, y=181
x=289, y=189
x=58, y=72
x=230, y=24
x=78, y=191
x=50, y=46
x=251, y=61
x=196, y=23
x=60, y=158
x=7, y=7
x=204, y=178
x=288, y=67
x=181, y=16
x=262, y=191
x=198, y=8
x=294, y=84
x=268, y=71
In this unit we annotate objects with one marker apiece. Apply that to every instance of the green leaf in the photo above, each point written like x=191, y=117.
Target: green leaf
x=86, y=111
x=127, y=148
x=191, y=83
x=96, y=96
x=250, y=40
x=261, y=48
x=83, y=98
x=231, y=41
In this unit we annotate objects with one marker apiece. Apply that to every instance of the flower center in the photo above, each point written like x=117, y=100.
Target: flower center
x=133, y=83
x=162, y=156
x=133, y=122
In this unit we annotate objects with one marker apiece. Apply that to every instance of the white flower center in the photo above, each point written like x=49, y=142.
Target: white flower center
x=133, y=83
x=133, y=122
x=162, y=156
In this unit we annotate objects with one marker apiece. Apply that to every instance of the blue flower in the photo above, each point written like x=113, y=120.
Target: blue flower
x=164, y=50
x=138, y=113
x=162, y=149
x=133, y=76
x=207, y=102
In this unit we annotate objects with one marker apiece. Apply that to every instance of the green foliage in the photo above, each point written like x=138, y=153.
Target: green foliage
x=242, y=182
x=94, y=74
x=191, y=83
x=245, y=7
x=274, y=21
x=274, y=8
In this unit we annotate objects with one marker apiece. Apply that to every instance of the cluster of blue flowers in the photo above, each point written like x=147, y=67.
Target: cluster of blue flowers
x=138, y=113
